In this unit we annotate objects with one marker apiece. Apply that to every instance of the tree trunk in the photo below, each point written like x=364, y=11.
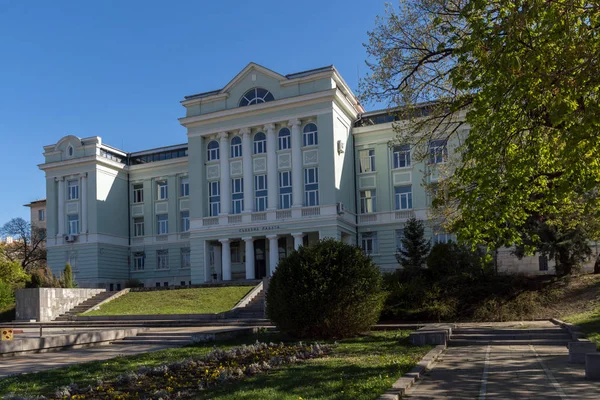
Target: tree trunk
x=597, y=265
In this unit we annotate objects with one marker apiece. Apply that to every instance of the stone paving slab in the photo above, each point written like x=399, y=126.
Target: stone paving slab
x=510, y=372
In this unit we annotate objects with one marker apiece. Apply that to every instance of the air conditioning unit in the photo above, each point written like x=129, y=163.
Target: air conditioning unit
x=340, y=147
x=70, y=238
x=340, y=208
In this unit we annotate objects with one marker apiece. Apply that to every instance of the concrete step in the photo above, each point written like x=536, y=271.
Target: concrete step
x=159, y=338
x=146, y=323
x=534, y=342
x=460, y=331
x=522, y=336
x=154, y=342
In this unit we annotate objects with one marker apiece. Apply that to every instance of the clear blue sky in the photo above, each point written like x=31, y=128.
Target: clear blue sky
x=118, y=69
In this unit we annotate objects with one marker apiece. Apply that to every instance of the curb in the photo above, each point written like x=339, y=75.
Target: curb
x=573, y=330
x=400, y=387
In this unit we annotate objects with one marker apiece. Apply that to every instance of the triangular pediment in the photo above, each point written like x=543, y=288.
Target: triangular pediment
x=251, y=67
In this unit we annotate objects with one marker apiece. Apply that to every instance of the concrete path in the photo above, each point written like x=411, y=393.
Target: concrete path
x=35, y=362
x=505, y=372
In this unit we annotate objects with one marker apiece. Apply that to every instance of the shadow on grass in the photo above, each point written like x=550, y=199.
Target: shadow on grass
x=7, y=314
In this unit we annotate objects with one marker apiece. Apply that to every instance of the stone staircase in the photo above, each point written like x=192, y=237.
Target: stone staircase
x=86, y=305
x=254, y=310
x=167, y=339
x=550, y=336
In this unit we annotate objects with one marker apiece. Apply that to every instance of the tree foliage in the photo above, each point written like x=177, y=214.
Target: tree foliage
x=523, y=77
x=68, y=277
x=27, y=247
x=415, y=248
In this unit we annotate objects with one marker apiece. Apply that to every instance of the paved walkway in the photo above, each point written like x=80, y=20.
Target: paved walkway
x=505, y=372
x=35, y=362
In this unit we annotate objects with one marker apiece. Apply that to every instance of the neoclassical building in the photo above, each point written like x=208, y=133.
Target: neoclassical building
x=272, y=162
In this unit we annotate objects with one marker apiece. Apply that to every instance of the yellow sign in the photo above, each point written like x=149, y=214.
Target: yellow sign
x=7, y=334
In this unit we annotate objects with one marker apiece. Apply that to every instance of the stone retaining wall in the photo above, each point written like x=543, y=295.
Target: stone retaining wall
x=46, y=304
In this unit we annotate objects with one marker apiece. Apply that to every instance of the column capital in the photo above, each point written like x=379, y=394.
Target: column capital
x=223, y=241
x=294, y=122
x=59, y=179
x=222, y=135
x=271, y=237
x=245, y=131
x=269, y=127
x=248, y=239
x=297, y=234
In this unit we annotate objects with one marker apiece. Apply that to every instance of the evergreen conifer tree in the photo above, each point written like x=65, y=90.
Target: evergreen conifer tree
x=415, y=248
x=68, y=276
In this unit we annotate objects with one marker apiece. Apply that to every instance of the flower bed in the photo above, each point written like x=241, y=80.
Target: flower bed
x=182, y=379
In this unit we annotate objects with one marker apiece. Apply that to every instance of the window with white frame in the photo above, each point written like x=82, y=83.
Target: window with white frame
x=311, y=186
x=162, y=224
x=284, y=139
x=73, y=224
x=368, y=201
x=41, y=215
x=138, y=226
x=367, y=160
x=214, y=198
x=186, y=261
x=162, y=190
x=162, y=259
x=260, y=192
x=236, y=254
x=213, y=150
x=184, y=190
x=368, y=242
x=399, y=237
x=440, y=235
x=139, y=260
x=73, y=188
x=255, y=96
x=260, y=143
x=310, y=135
x=237, y=195
x=236, y=147
x=403, y=197
x=185, y=221
x=285, y=189
x=438, y=151
x=138, y=192
x=401, y=156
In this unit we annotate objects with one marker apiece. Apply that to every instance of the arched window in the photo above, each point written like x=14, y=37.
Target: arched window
x=260, y=143
x=236, y=147
x=310, y=137
x=213, y=150
x=256, y=96
x=284, y=139
x=70, y=151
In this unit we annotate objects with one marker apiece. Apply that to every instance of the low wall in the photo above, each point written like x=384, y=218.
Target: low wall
x=46, y=304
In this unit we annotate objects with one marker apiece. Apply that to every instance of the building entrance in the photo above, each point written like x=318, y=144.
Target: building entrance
x=260, y=262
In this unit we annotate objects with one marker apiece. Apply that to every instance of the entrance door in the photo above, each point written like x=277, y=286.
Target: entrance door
x=260, y=263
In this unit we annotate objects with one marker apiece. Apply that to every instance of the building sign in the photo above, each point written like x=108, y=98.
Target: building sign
x=260, y=228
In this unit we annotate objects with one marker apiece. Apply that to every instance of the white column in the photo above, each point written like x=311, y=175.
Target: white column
x=84, y=204
x=225, y=259
x=249, y=257
x=271, y=167
x=273, y=253
x=298, y=239
x=248, y=172
x=225, y=181
x=61, y=207
x=297, y=192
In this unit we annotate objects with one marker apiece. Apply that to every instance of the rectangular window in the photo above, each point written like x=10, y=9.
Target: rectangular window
x=138, y=226
x=162, y=259
x=185, y=259
x=73, y=224
x=367, y=201
x=402, y=156
x=185, y=221
x=185, y=187
x=284, y=141
x=161, y=188
x=235, y=252
x=236, y=148
x=138, y=193
x=260, y=192
x=73, y=187
x=285, y=189
x=260, y=145
x=543, y=263
x=139, y=259
x=403, y=195
x=237, y=195
x=162, y=224
x=438, y=151
x=399, y=237
x=41, y=215
x=440, y=236
x=311, y=186
x=369, y=242
x=367, y=160
x=214, y=198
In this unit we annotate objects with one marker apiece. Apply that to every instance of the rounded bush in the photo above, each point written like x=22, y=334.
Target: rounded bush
x=328, y=290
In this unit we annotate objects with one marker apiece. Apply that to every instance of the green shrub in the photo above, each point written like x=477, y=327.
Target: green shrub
x=7, y=294
x=68, y=277
x=327, y=290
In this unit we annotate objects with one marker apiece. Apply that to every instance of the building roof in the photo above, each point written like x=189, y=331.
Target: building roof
x=35, y=203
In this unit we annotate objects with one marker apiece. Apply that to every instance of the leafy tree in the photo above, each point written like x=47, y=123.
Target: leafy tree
x=13, y=274
x=28, y=245
x=524, y=76
x=415, y=248
x=68, y=277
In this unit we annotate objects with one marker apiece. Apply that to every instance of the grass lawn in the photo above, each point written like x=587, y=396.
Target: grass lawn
x=211, y=300
x=589, y=320
x=360, y=368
